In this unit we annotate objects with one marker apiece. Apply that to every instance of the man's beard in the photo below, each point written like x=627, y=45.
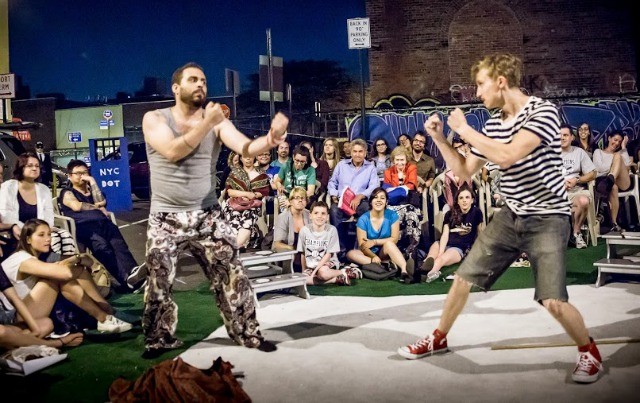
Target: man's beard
x=190, y=99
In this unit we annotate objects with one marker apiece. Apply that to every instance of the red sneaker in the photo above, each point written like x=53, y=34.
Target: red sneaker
x=587, y=369
x=424, y=347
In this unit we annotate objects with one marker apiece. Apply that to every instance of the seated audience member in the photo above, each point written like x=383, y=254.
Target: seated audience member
x=263, y=160
x=233, y=161
x=612, y=168
x=298, y=173
x=377, y=233
x=282, y=153
x=18, y=328
x=38, y=283
x=400, y=182
x=246, y=183
x=330, y=153
x=452, y=182
x=425, y=164
x=288, y=225
x=578, y=170
x=23, y=198
x=461, y=227
x=380, y=155
x=318, y=244
x=85, y=203
x=346, y=150
x=322, y=172
x=359, y=175
x=585, y=139
x=491, y=173
x=405, y=141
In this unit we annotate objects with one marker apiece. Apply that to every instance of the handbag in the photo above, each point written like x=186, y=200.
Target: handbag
x=376, y=271
x=242, y=204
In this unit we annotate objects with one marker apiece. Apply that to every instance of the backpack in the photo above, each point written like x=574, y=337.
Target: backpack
x=376, y=271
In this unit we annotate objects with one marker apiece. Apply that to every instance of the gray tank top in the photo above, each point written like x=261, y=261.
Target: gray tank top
x=188, y=184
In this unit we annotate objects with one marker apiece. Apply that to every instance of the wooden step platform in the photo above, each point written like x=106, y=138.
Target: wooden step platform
x=279, y=282
x=614, y=265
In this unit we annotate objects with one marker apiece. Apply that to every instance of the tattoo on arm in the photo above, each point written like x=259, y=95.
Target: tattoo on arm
x=88, y=206
x=97, y=195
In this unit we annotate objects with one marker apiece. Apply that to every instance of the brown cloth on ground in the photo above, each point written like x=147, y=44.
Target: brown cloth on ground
x=177, y=381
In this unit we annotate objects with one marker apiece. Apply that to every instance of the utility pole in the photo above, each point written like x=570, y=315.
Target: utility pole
x=272, y=106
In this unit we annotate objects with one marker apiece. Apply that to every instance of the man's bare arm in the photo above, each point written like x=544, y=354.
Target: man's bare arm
x=241, y=144
x=461, y=166
x=505, y=155
x=74, y=204
x=160, y=137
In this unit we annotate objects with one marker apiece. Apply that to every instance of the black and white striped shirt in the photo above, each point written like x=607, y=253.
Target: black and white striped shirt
x=534, y=184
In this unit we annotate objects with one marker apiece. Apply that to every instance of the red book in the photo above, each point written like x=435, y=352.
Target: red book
x=345, y=201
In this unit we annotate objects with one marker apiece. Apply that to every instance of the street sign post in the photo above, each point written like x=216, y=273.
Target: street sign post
x=359, y=37
x=359, y=33
x=75, y=138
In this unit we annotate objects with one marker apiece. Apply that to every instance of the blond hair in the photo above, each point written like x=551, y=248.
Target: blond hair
x=298, y=191
x=401, y=150
x=500, y=64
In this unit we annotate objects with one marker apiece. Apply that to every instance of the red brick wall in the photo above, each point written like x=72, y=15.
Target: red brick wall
x=424, y=49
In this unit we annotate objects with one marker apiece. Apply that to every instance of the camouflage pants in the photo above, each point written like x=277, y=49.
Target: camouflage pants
x=213, y=243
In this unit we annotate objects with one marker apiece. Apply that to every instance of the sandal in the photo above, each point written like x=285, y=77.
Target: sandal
x=433, y=276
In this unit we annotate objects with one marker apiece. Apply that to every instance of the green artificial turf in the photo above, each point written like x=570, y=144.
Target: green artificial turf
x=91, y=368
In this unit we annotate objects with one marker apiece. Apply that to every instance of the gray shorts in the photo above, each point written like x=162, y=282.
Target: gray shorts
x=543, y=237
x=460, y=251
x=7, y=317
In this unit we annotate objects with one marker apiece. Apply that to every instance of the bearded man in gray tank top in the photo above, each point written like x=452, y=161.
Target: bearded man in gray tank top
x=523, y=138
x=183, y=144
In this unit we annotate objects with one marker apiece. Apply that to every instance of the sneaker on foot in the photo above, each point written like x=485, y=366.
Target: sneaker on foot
x=616, y=228
x=580, y=243
x=424, y=347
x=343, y=279
x=587, y=369
x=113, y=325
x=405, y=278
x=137, y=276
x=353, y=272
x=521, y=262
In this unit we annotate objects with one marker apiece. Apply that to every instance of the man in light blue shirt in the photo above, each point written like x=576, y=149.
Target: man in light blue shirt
x=359, y=175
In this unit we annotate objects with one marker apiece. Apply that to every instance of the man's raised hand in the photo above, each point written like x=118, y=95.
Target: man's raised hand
x=278, y=132
x=457, y=121
x=433, y=126
x=213, y=114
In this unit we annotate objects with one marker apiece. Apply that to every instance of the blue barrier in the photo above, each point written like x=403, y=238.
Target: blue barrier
x=110, y=168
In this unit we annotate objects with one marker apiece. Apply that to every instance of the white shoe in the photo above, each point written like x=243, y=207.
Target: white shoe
x=113, y=325
x=580, y=243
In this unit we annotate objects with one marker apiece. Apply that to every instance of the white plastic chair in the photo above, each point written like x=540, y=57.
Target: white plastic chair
x=633, y=192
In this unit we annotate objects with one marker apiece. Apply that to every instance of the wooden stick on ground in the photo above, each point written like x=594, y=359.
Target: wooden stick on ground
x=560, y=344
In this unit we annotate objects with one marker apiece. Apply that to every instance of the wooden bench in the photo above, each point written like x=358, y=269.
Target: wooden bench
x=614, y=265
x=281, y=281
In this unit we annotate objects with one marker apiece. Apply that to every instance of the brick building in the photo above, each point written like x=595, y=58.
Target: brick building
x=424, y=49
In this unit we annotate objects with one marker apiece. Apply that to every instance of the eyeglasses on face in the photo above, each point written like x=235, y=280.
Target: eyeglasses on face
x=300, y=161
x=80, y=173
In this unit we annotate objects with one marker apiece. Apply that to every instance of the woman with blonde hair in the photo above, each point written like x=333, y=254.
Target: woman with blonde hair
x=288, y=225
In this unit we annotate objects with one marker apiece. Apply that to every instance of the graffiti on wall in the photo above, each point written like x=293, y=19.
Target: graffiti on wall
x=603, y=115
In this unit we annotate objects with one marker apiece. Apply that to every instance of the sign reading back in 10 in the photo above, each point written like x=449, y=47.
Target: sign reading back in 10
x=358, y=32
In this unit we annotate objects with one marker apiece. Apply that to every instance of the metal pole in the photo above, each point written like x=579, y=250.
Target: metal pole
x=290, y=95
x=363, y=111
x=272, y=108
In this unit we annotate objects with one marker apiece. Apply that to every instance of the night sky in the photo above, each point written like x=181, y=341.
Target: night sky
x=86, y=49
